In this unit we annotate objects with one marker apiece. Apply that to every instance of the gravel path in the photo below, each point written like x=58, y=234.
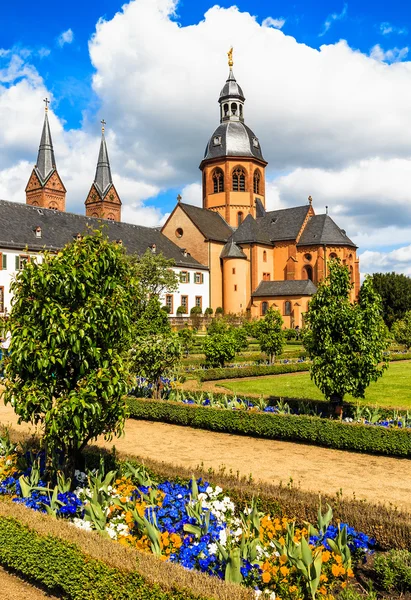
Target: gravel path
x=374, y=478
x=14, y=588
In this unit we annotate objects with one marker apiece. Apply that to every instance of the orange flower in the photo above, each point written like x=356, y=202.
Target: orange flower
x=284, y=571
x=283, y=559
x=326, y=556
x=266, y=577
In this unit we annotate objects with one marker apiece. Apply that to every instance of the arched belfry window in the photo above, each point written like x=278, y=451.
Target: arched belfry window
x=218, y=181
x=238, y=180
x=240, y=217
x=307, y=272
x=257, y=181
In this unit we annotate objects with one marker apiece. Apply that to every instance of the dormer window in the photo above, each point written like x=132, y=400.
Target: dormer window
x=274, y=220
x=153, y=248
x=217, y=140
x=256, y=143
x=38, y=232
x=79, y=237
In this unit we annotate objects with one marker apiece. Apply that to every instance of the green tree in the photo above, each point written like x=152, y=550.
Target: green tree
x=219, y=348
x=70, y=334
x=402, y=330
x=186, y=337
x=345, y=341
x=270, y=334
x=154, y=357
x=154, y=273
x=395, y=291
x=150, y=318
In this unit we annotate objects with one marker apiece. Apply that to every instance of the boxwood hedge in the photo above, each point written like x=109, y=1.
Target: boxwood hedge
x=254, y=371
x=299, y=428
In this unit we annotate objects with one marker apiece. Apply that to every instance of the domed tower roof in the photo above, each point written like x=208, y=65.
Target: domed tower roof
x=232, y=137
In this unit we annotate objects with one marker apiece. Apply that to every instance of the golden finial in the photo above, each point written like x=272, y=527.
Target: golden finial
x=179, y=198
x=46, y=102
x=230, y=57
x=310, y=200
x=103, y=123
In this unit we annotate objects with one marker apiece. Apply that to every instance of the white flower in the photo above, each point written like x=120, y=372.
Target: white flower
x=86, y=525
x=223, y=537
x=212, y=548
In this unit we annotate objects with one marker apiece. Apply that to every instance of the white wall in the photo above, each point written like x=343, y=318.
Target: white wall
x=187, y=289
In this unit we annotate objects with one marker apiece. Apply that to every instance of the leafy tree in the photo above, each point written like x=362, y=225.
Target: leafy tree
x=150, y=318
x=154, y=356
x=70, y=325
x=219, y=348
x=241, y=338
x=269, y=333
x=224, y=325
x=155, y=273
x=395, y=291
x=345, y=341
x=217, y=326
x=186, y=337
x=402, y=330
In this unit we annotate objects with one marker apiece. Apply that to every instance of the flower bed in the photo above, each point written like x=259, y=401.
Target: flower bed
x=193, y=524
x=357, y=437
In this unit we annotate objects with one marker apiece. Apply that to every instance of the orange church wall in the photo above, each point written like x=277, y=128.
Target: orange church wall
x=299, y=306
x=192, y=239
x=235, y=280
x=216, y=274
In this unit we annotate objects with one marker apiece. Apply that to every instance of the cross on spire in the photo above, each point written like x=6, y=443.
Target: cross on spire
x=46, y=102
x=103, y=124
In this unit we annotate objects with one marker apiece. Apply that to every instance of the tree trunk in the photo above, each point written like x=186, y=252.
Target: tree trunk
x=336, y=405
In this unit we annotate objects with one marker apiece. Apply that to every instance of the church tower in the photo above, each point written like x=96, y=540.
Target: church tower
x=102, y=200
x=233, y=166
x=45, y=188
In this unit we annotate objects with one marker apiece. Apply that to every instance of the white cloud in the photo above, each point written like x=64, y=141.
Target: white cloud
x=387, y=28
x=333, y=18
x=398, y=260
x=66, y=37
x=276, y=23
x=392, y=55
x=334, y=122
x=43, y=52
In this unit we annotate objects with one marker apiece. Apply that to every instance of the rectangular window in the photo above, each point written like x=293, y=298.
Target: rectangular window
x=233, y=270
x=184, y=302
x=198, y=278
x=169, y=303
x=199, y=301
x=21, y=261
x=3, y=261
x=266, y=276
x=184, y=277
x=235, y=288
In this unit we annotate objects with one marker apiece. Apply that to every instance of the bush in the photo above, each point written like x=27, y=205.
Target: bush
x=301, y=428
x=255, y=371
x=196, y=310
x=290, y=334
x=208, y=312
x=181, y=310
x=219, y=348
x=394, y=570
x=166, y=308
x=93, y=567
x=219, y=311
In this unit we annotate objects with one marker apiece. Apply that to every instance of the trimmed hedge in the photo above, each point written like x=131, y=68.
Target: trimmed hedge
x=298, y=428
x=73, y=571
x=256, y=371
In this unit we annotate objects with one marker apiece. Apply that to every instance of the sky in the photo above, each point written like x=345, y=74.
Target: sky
x=328, y=94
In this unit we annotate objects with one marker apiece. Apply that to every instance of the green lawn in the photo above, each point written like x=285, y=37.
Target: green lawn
x=392, y=389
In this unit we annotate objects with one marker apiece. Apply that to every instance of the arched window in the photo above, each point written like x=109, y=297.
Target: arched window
x=239, y=218
x=53, y=206
x=95, y=215
x=287, y=308
x=265, y=256
x=218, y=181
x=264, y=308
x=332, y=255
x=238, y=180
x=110, y=217
x=307, y=272
x=241, y=110
x=234, y=108
x=35, y=203
x=256, y=181
x=225, y=110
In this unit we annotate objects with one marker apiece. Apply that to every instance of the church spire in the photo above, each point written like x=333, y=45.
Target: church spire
x=45, y=188
x=46, y=161
x=231, y=96
x=103, y=200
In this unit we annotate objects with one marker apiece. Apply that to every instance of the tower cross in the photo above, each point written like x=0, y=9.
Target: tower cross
x=103, y=124
x=46, y=102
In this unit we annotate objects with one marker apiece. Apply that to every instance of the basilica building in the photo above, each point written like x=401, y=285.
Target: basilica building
x=231, y=253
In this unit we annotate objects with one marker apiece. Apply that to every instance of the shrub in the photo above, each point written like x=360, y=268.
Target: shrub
x=166, y=308
x=208, y=312
x=219, y=310
x=301, y=428
x=181, y=310
x=394, y=570
x=196, y=310
x=290, y=334
x=219, y=349
x=255, y=371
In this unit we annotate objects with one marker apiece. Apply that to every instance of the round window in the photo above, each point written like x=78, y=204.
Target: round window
x=307, y=257
x=179, y=232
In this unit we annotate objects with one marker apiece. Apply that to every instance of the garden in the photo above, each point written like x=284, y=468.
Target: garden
x=90, y=346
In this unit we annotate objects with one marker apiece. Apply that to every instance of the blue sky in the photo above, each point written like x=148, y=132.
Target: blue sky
x=334, y=118
x=67, y=70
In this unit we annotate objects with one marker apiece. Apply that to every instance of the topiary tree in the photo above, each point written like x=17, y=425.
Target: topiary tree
x=70, y=334
x=401, y=330
x=181, y=310
x=219, y=311
x=208, y=312
x=154, y=356
x=219, y=348
x=269, y=333
x=345, y=341
x=196, y=311
x=186, y=337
